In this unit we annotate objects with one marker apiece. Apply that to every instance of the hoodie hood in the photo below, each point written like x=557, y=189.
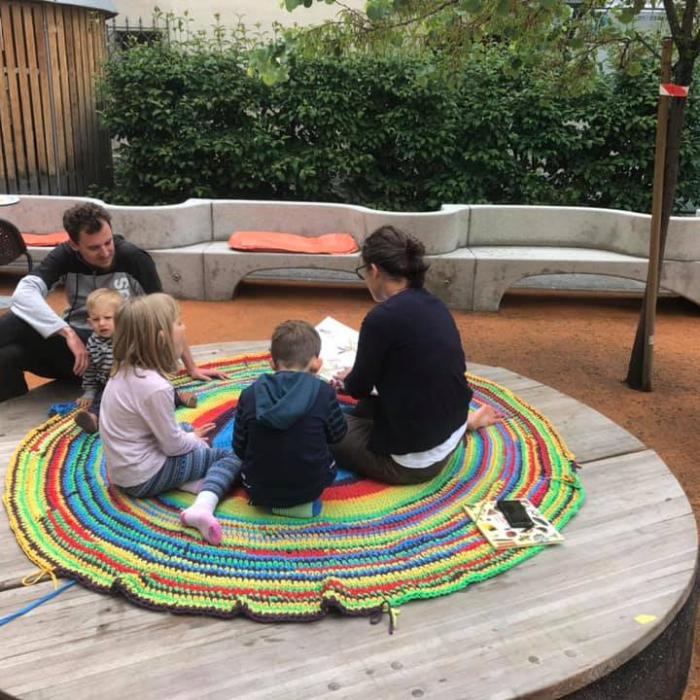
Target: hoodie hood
x=281, y=399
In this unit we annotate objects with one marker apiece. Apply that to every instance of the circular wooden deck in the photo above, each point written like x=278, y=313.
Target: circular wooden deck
x=546, y=629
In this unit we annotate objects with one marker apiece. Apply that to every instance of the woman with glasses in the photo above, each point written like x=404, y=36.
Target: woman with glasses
x=408, y=373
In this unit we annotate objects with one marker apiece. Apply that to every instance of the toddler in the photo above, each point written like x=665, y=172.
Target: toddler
x=102, y=306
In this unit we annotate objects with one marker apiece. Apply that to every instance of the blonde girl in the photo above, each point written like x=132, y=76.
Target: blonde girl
x=147, y=451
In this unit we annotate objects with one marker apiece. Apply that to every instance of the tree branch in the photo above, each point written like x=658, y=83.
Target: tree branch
x=419, y=18
x=651, y=48
x=695, y=46
x=358, y=15
x=672, y=18
x=688, y=16
x=591, y=50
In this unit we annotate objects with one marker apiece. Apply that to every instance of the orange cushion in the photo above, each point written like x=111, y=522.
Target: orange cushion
x=274, y=242
x=45, y=239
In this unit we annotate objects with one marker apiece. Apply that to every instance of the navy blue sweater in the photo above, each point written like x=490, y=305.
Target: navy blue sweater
x=284, y=424
x=410, y=349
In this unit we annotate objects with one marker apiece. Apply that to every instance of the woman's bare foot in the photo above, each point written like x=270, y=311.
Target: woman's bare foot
x=483, y=417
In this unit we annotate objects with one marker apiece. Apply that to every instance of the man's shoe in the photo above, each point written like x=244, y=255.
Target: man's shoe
x=188, y=399
x=87, y=421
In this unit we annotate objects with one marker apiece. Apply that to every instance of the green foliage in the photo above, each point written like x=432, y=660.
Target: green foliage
x=384, y=130
x=567, y=32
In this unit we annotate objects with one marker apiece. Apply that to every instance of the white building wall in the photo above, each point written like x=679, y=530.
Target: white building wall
x=251, y=12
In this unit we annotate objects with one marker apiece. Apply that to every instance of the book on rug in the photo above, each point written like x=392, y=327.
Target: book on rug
x=338, y=347
x=491, y=520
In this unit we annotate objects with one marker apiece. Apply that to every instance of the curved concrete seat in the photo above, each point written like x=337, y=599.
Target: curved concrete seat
x=477, y=252
x=497, y=268
x=164, y=227
x=440, y=231
x=225, y=268
x=612, y=230
x=451, y=277
x=40, y=214
x=511, y=243
x=609, y=613
x=171, y=233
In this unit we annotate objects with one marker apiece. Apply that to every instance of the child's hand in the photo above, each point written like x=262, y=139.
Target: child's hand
x=83, y=402
x=205, y=375
x=338, y=379
x=203, y=431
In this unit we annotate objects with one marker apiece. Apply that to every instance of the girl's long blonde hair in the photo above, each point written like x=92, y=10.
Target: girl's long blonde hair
x=143, y=335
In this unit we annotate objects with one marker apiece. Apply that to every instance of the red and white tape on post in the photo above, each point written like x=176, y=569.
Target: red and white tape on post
x=672, y=90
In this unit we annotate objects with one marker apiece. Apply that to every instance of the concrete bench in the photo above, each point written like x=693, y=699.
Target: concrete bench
x=511, y=243
x=175, y=235
x=498, y=268
x=40, y=214
x=476, y=252
x=225, y=268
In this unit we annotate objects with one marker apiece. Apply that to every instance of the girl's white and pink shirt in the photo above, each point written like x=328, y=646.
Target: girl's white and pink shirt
x=138, y=427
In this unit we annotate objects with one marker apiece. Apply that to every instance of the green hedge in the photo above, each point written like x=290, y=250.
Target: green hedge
x=387, y=132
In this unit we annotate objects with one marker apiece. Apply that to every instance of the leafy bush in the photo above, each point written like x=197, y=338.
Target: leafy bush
x=386, y=130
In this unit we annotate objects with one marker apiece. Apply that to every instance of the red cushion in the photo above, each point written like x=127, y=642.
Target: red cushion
x=275, y=242
x=45, y=239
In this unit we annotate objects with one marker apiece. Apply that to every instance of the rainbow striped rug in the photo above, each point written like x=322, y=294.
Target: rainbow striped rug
x=372, y=548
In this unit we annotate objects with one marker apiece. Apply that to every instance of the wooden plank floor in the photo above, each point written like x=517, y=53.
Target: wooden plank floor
x=547, y=627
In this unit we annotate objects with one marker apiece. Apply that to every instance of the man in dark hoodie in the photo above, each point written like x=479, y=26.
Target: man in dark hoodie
x=284, y=424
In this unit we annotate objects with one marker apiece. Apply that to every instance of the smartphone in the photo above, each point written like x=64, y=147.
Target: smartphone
x=516, y=515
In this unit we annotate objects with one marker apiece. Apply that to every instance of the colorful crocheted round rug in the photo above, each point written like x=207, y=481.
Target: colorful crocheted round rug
x=373, y=546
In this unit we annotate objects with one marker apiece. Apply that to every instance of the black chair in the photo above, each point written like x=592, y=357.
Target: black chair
x=12, y=244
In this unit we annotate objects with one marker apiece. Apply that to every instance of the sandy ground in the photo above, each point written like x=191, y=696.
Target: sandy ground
x=579, y=345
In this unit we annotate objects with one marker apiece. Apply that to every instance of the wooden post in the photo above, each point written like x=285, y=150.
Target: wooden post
x=654, y=269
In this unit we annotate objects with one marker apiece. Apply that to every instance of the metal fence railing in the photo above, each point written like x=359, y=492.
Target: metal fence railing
x=127, y=33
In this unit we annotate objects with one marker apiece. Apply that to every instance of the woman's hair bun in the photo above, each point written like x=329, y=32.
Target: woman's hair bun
x=414, y=247
x=397, y=253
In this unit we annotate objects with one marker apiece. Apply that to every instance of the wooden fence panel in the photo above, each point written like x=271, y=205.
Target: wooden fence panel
x=8, y=169
x=45, y=91
x=98, y=42
x=56, y=96
x=30, y=39
x=80, y=26
x=15, y=125
x=50, y=137
x=27, y=122
x=65, y=79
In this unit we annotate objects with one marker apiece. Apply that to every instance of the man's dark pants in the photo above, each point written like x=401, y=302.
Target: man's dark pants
x=23, y=349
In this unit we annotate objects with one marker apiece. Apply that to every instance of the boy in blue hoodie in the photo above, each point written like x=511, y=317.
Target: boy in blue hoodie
x=284, y=424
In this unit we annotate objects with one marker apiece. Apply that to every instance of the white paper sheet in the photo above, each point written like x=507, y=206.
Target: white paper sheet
x=338, y=346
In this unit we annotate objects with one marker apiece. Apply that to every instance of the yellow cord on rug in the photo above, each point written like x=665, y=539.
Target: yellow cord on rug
x=38, y=576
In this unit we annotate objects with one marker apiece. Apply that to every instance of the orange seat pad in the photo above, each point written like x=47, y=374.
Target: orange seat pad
x=275, y=242
x=45, y=239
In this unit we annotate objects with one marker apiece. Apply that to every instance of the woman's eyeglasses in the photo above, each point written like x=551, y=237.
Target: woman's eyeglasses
x=358, y=272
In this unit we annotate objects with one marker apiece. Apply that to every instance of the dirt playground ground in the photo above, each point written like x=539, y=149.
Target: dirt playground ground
x=579, y=345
